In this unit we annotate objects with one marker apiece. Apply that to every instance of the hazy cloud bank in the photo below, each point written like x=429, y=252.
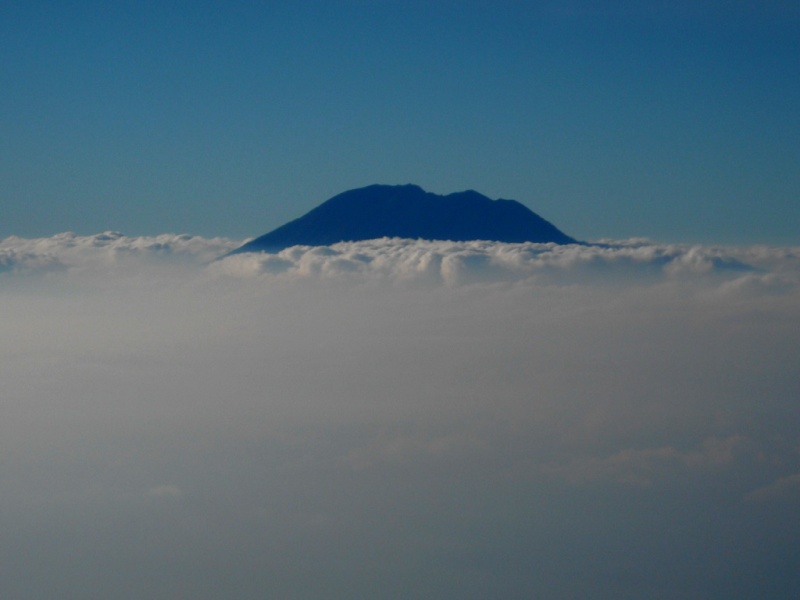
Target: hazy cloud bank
x=451, y=263
x=397, y=419
x=68, y=250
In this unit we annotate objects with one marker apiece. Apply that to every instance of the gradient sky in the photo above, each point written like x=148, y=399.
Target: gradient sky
x=677, y=121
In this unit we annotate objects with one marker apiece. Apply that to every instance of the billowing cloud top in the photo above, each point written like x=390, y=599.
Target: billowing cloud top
x=68, y=250
x=399, y=260
x=456, y=263
x=459, y=420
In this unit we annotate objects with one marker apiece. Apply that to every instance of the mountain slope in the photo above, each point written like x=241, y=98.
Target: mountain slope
x=408, y=211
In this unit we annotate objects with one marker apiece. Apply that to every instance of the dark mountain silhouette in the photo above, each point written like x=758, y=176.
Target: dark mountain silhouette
x=408, y=211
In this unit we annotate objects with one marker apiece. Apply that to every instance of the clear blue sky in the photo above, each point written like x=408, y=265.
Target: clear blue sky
x=678, y=121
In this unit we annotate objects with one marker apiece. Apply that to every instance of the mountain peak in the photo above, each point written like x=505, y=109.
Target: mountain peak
x=408, y=211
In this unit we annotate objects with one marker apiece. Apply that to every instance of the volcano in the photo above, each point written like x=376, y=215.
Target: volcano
x=408, y=211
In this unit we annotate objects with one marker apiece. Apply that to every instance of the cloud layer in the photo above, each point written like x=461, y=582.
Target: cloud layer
x=397, y=419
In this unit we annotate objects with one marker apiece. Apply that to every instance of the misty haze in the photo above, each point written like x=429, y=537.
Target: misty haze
x=396, y=418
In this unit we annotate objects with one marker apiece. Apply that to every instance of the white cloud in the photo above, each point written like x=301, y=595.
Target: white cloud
x=421, y=411
x=456, y=263
x=68, y=250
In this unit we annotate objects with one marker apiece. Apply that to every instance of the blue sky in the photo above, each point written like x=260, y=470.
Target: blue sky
x=674, y=121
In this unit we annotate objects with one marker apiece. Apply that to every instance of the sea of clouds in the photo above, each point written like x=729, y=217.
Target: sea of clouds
x=398, y=419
